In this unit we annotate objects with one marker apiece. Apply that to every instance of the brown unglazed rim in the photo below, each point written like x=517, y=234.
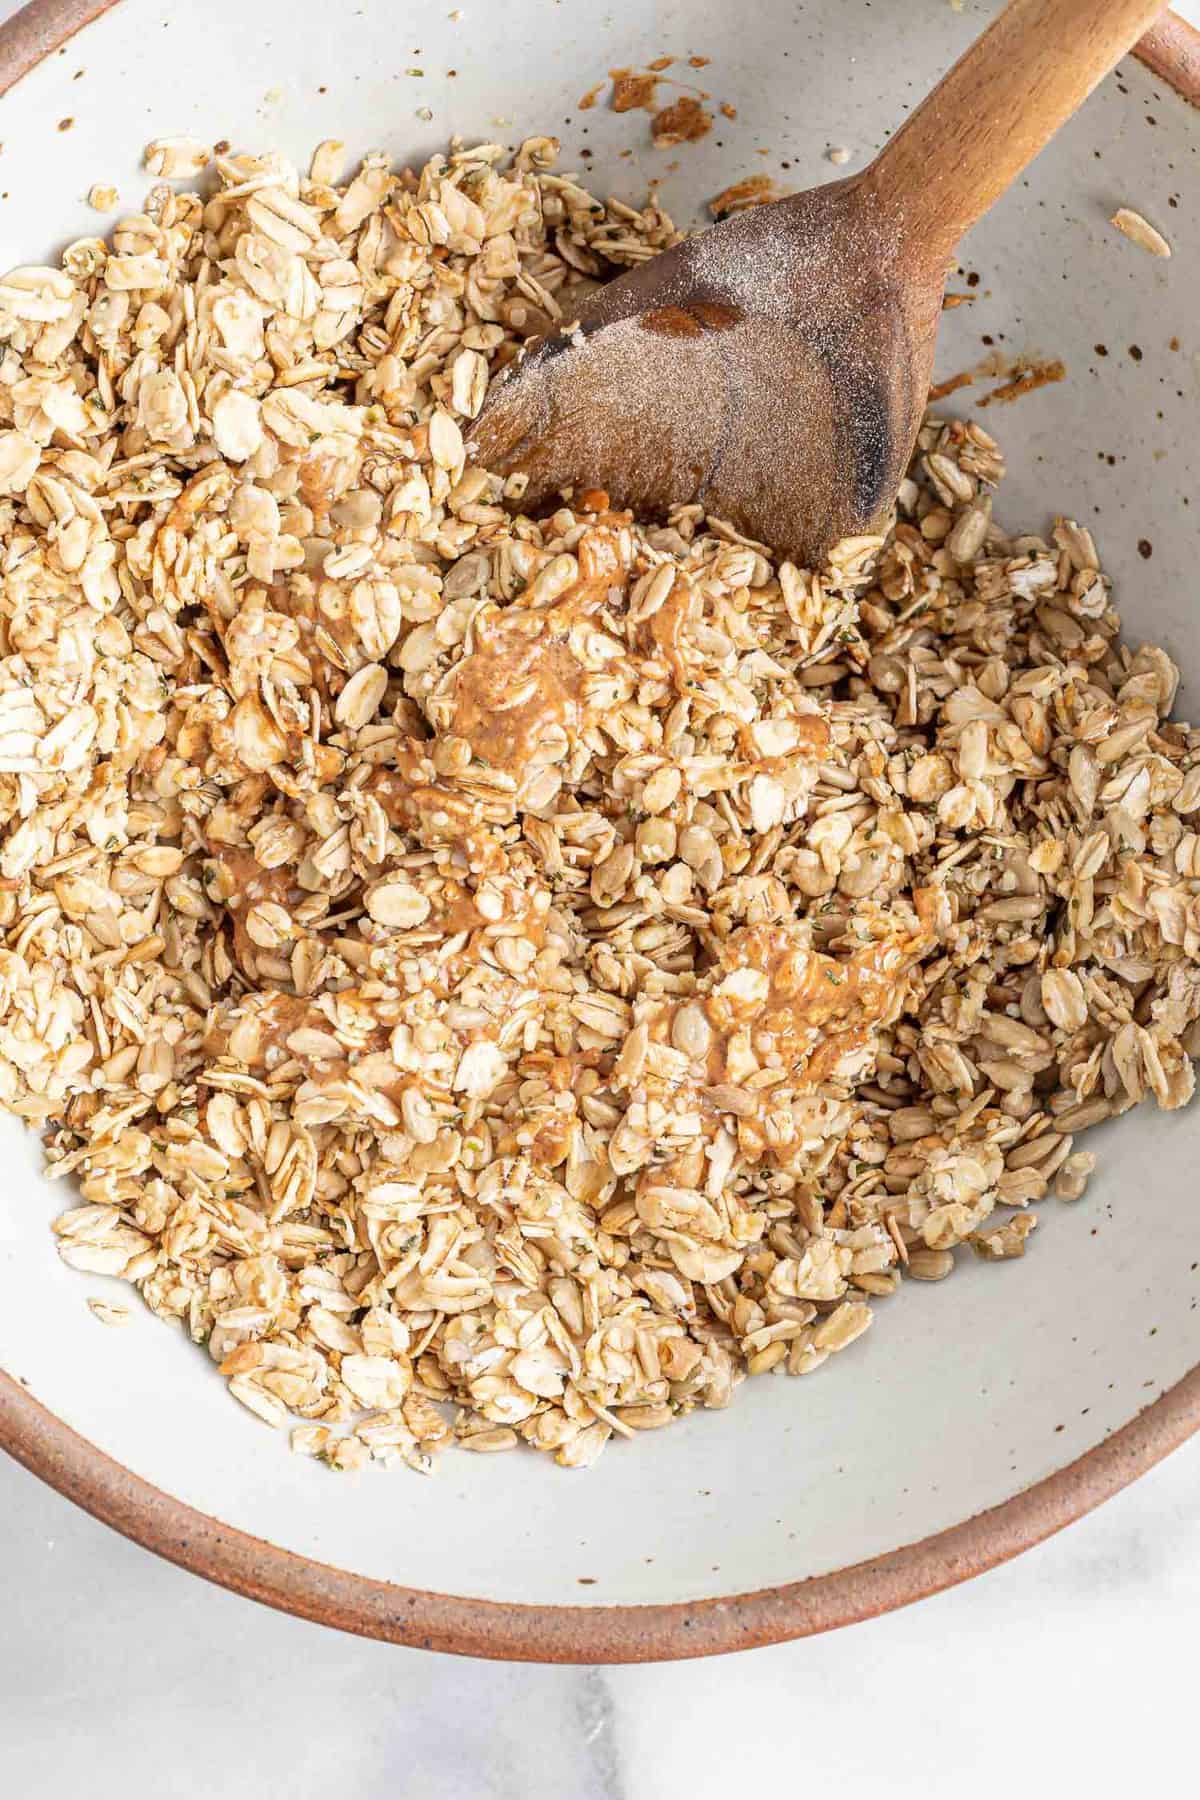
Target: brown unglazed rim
x=586, y=1634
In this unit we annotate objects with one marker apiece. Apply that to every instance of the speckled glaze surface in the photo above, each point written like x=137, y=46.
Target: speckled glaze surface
x=979, y=1416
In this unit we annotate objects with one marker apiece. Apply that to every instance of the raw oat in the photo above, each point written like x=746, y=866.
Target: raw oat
x=495, y=979
x=109, y=1312
x=1139, y=231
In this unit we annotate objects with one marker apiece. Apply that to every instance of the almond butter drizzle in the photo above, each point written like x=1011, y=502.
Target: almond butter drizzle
x=279, y=1017
x=244, y=883
x=665, y=629
x=521, y=680
x=317, y=488
x=777, y=1005
x=809, y=1008
x=416, y=799
x=812, y=739
x=520, y=683
x=798, y=1014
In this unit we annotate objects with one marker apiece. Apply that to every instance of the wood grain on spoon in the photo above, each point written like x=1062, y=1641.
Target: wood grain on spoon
x=775, y=367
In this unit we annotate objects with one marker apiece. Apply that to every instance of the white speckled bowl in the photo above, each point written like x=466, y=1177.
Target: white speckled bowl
x=979, y=1416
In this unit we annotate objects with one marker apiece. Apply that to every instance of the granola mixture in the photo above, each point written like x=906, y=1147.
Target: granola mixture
x=495, y=979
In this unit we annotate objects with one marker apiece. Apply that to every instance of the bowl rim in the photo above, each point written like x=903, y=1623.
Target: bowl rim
x=512, y=1631
x=114, y=1494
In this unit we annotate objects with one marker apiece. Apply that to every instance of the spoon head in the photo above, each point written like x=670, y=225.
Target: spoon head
x=772, y=369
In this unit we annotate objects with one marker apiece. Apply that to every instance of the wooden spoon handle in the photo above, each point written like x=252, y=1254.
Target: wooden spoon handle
x=991, y=114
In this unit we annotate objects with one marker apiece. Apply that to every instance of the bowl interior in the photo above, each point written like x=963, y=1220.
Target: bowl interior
x=963, y=1394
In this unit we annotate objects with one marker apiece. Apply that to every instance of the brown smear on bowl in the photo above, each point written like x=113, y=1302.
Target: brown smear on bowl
x=940, y=389
x=685, y=121
x=633, y=91
x=1023, y=375
x=754, y=190
x=1026, y=381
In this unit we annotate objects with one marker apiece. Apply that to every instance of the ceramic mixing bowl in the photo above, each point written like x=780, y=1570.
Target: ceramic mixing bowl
x=982, y=1414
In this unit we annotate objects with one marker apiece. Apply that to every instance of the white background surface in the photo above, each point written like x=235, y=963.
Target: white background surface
x=1070, y=1670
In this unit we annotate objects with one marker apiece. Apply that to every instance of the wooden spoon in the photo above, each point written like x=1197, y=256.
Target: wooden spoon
x=776, y=367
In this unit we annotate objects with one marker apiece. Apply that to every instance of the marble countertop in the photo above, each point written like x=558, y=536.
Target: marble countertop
x=1069, y=1670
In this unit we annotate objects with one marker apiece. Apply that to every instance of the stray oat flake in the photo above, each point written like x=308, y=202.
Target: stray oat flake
x=1140, y=231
